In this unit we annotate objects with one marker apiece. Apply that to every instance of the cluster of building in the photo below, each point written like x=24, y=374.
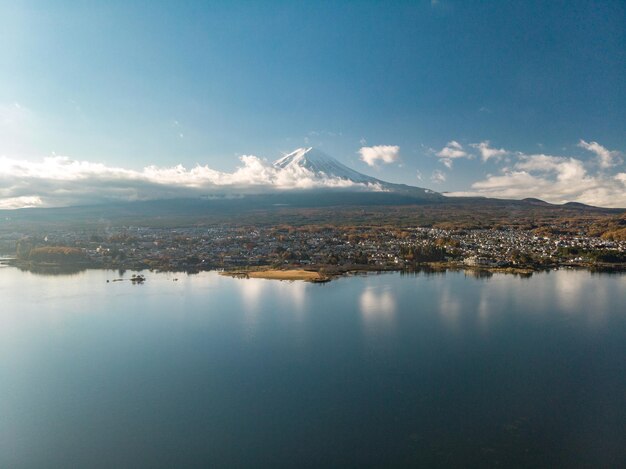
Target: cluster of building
x=202, y=248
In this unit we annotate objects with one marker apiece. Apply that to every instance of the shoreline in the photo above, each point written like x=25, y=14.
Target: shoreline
x=323, y=273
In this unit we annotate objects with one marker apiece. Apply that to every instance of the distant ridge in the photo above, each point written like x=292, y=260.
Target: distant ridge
x=577, y=204
x=534, y=201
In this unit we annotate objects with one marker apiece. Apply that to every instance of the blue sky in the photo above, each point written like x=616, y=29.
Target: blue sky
x=133, y=84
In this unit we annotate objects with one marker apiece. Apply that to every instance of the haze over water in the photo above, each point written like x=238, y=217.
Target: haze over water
x=440, y=370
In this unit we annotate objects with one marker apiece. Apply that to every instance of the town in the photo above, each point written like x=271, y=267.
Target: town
x=332, y=248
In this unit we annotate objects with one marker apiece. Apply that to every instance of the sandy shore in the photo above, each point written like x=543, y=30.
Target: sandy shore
x=291, y=274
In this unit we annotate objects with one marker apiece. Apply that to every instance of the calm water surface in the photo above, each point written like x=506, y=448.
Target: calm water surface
x=384, y=370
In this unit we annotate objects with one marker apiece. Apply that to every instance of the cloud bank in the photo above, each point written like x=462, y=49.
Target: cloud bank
x=61, y=181
x=383, y=153
x=556, y=179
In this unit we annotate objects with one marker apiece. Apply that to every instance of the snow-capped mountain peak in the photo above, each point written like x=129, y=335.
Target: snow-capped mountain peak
x=325, y=166
x=317, y=162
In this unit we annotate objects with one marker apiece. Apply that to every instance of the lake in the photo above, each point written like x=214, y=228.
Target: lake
x=439, y=370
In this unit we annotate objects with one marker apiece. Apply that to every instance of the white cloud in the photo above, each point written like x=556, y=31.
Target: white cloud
x=450, y=152
x=59, y=181
x=487, y=153
x=453, y=149
x=384, y=153
x=606, y=158
x=20, y=202
x=556, y=179
x=438, y=177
